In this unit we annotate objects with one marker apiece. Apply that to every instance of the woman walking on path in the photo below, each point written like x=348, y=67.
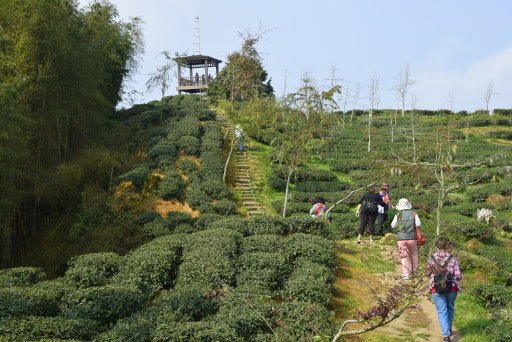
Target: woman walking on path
x=383, y=210
x=406, y=220
x=367, y=211
x=445, y=277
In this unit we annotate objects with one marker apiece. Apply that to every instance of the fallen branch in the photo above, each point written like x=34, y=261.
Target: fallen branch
x=350, y=194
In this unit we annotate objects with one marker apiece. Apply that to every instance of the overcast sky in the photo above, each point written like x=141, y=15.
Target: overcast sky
x=454, y=46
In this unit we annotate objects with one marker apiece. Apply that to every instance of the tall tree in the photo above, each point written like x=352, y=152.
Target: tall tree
x=243, y=78
x=488, y=93
x=404, y=83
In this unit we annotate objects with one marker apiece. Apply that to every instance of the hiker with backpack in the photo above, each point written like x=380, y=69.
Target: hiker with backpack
x=240, y=138
x=445, y=277
x=383, y=210
x=405, y=222
x=319, y=210
x=367, y=211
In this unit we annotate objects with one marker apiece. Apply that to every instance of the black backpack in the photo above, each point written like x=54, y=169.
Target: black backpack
x=369, y=207
x=443, y=281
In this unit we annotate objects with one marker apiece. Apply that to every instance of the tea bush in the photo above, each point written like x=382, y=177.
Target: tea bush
x=299, y=321
x=312, y=248
x=187, y=166
x=261, y=270
x=55, y=328
x=224, y=207
x=493, y=296
x=307, y=225
x=261, y=243
x=309, y=282
x=192, y=302
x=163, y=149
x=92, y=269
x=204, y=220
x=104, y=304
x=156, y=228
x=205, y=331
x=20, y=276
x=318, y=186
x=137, y=176
x=171, y=187
x=189, y=144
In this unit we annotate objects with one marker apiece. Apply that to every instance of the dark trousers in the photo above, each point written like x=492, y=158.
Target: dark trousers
x=381, y=218
x=367, y=219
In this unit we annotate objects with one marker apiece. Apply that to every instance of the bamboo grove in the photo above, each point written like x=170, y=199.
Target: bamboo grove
x=61, y=76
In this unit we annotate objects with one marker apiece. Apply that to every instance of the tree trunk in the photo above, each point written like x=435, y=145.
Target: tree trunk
x=286, y=192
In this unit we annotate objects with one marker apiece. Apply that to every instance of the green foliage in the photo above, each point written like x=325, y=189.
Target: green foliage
x=164, y=150
x=204, y=220
x=481, y=192
x=463, y=228
x=235, y=223
x=307, y=225
x=156, y=228
x=92, y=269
x=191, y=302
x=187, y=166
x=248, y=314
x=261, y=243
x=171, y=187
x=224, y=207
x=500, y=330
x=185, y=127
x=148, y=217
x=301, y=321
x=312, y=248
x=152, y=266
x=20, y=276
x=318, y=186
x=189, y=144
x=261, y=272
x=104, y=304
x=276, y=182
x=309, y=282
x=137, y=176
x=493, y=296
x=175, y=218
x=42, y=299
x=207, y=331
x=54, y=328
x=266, y=225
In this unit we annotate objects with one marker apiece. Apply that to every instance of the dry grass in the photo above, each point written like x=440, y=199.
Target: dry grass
x=165, y=207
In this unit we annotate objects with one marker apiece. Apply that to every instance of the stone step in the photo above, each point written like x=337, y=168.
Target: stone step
x=243, y=179
x=255, y=213
x=251, y=203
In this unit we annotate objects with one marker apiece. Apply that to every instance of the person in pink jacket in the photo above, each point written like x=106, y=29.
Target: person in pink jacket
x=445, y=278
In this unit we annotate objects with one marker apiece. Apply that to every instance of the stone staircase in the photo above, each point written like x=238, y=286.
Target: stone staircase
x=244, y=178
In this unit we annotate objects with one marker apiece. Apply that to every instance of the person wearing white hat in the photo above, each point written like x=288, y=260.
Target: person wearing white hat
x=406, y=222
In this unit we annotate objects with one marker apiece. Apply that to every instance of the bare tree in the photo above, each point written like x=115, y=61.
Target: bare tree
x=355, y=98
x=414, y=100
x=285, y=82
x=451, y=100
x=161, y=78
x=373, y=89
x=488, y=93
x=404, y=82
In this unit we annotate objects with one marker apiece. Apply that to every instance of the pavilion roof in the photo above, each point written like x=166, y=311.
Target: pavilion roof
x=197, y=60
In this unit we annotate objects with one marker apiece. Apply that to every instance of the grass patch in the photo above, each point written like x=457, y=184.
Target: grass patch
x=365, y=258
x=471, y=319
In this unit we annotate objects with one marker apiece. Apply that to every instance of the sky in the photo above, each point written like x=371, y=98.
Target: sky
x=454, y=48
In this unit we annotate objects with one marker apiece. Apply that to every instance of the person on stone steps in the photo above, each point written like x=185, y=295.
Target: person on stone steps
x=405, y=223
x=444, y=270
x=240, y=137
x=367, y=211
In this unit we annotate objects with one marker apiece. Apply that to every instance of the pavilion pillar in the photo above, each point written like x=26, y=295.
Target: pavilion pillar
x=179, y=75
x=206, y=71
x=191, y=79
x=216, y=70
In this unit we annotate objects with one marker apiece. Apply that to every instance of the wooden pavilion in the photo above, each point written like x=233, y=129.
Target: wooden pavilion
x=198, y=76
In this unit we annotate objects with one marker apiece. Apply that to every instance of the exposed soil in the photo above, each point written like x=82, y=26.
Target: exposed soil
x=165, y=207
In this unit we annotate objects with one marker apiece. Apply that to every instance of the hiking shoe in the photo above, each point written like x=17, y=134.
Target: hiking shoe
x=358, y=241
x=446, y=339
x=405, y=277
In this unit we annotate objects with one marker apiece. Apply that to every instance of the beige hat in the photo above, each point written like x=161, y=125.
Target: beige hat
x=403, y=204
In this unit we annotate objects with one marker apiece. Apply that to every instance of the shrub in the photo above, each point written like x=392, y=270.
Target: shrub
x=461, y=227
x=191, y=302
x=247, y=314
x=184, y=127
x=30, y=328
x=318, y=186
x=104, y=304
x=261, y=270
x=310, y=247
x=205, y=331
x=261, y=243
x=500, y=330
x=501, y=134
x=163, y=149
x=215, y=188
x=299, y=321
x=92, y=269
x=493, y=296
x=197, y=198
x=276, y=183
x=303, y=174
x=20, y=276
x=42, y=299
x=152, y=266
x=137, y=176
x=224, y=207
x=344, y=226
x=234, y=223
x=175, y=218
x=266, y=225
x=204, y=220
x=307, y=225
x=309, y=282
x=187, y=166
x=171, y=187
x=156, y=228
x=189, y=144
x=148, y=217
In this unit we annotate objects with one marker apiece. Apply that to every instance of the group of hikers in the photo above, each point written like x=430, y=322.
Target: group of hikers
x=442, y=267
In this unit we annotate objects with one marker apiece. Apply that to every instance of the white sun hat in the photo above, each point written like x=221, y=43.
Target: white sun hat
x=403, y=204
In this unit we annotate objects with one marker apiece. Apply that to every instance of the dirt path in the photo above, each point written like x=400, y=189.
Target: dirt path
x=364, y=272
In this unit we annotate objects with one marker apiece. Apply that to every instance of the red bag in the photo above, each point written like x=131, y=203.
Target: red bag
x=420, y=238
